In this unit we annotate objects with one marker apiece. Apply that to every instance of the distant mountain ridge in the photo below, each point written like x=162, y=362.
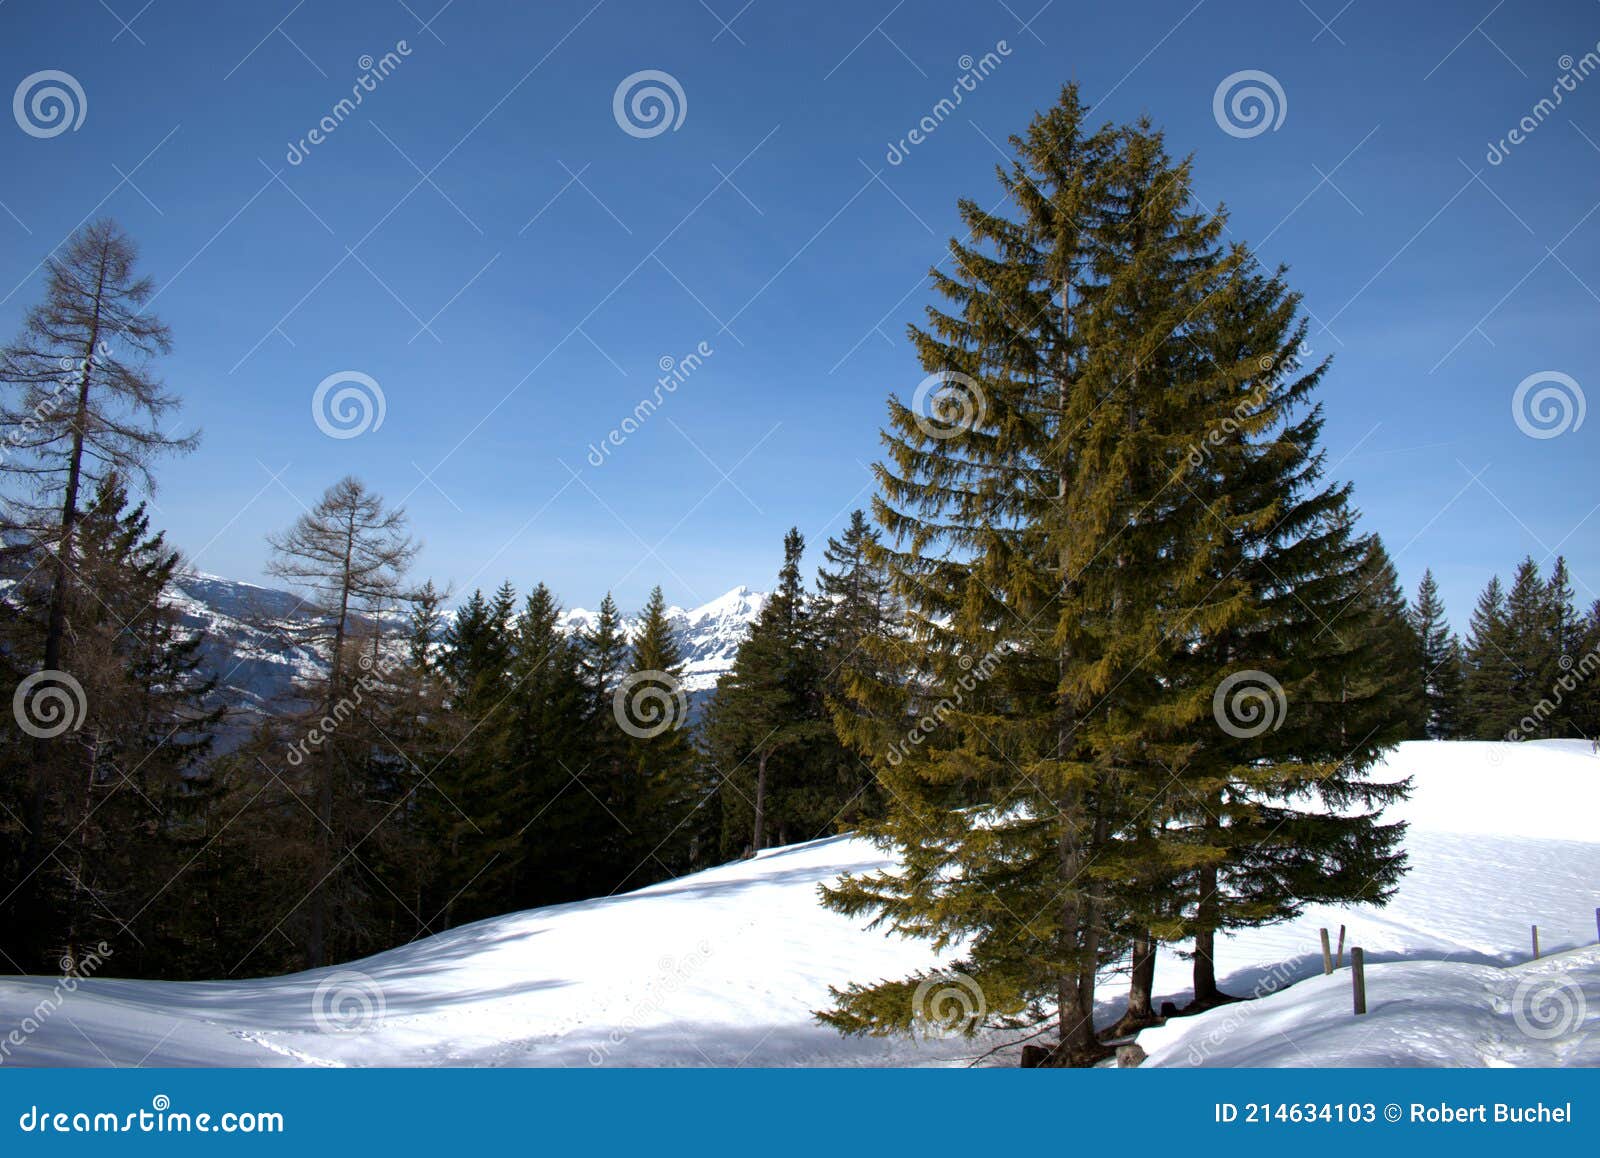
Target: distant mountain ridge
x=251, y=634
x=709, y=634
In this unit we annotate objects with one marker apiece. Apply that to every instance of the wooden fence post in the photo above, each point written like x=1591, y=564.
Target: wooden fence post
x=1327, y=955
x=1338, y=958
x=1536, y=942
x=1358, y=978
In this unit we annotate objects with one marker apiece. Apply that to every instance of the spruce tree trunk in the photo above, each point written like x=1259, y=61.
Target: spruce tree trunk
x=1207, y=917
x=1141, y=1006
x=1078, y=936
x=758, y=841
x=1077, y=943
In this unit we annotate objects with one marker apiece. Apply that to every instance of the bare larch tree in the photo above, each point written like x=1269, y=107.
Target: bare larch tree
x=80, y=400
x=349, y=554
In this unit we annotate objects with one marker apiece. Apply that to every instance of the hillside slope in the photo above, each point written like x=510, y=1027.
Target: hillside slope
x=725, y=967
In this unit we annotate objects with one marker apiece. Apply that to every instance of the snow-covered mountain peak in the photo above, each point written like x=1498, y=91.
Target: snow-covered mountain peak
x=709, y=635
x=741, y=604
x=250, y=631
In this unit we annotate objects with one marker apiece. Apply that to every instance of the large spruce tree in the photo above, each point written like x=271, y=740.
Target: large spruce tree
x=1085, y=501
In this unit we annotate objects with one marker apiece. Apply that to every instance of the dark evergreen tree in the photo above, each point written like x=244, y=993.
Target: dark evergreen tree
x=603, y=648
x=1442, y=675
x=766, y=710
x=1563, y=654
x=854, y=606
x=1491, y=706
x=474, y=647
x=1566, y=623
x=1586, y=668
x=425, y=628
x=662, y=789
x=1385, y=686
x=471, y=816
x=563, y=833
x=127, y=733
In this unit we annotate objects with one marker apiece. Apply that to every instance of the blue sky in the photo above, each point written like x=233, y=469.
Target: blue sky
x=483, y=240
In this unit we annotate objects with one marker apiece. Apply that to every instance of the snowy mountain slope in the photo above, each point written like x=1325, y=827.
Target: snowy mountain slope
x=251, y=632
x=250, y=638
x=725, y=967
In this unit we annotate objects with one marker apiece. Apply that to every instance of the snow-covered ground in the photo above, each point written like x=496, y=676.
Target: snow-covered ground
x=726, y=967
